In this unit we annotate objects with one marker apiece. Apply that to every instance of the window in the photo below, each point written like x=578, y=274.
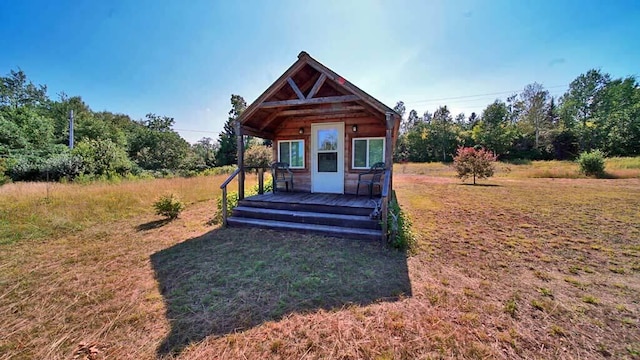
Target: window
x=292, y=152
x=367, y=151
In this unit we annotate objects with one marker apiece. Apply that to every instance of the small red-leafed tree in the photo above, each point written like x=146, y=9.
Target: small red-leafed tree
x=476, y=162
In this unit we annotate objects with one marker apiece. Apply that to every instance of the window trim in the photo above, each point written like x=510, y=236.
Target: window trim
x=289, y=160
x=353, y=151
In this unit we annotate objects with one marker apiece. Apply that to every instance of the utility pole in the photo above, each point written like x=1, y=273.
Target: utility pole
x=71, y=129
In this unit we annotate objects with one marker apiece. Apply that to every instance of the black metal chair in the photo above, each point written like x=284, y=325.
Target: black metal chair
x=371, y=178
x=280, y=173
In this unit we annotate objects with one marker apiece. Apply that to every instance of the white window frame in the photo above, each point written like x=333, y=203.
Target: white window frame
x=353, y=151
x=289, y=159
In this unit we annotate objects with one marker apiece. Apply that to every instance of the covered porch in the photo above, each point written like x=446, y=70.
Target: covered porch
x=328, y=132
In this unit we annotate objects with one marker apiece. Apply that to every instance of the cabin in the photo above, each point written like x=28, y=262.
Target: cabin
x=330, y=133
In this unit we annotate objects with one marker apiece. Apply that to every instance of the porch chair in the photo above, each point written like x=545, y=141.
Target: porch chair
x=370, y=178
x=280, y=173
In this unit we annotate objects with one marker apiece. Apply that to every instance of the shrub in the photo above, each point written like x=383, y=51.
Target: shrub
x=62, y=166
x=592, y=163
x=258, y=156
x=102, y=157
x=478, y=163
x=400, y=234
x=3, y=168
x=232, y=199
x=169, y=206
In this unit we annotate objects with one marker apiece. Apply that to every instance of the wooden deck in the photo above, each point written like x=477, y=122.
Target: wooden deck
x=303, y=198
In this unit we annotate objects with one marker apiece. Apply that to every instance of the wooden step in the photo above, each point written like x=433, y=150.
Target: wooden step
x=306, y=207
x=328, y=230
x=305, y=217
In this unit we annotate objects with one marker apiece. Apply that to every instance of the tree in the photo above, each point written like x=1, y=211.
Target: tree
x=16, y=91
x=478, y=163
x=493, y=130
x=205, y=149
x=227, y=142
x=578, y=104
x=156, y=146
x=443, y=133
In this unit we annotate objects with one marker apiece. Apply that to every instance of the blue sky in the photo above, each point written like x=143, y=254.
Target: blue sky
x=185, y=58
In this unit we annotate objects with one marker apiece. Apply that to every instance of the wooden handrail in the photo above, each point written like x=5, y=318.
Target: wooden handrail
x=224, y=195
x=230, y=178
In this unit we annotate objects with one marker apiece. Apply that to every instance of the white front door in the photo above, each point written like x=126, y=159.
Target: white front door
x=327, y=158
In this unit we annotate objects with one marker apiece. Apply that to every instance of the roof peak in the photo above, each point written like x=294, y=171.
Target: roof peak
x=303, y=54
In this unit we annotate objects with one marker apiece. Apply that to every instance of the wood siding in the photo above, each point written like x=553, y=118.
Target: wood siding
x=368, y=126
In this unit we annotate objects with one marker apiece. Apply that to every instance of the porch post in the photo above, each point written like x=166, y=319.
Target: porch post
x=388, y=150
x=240, y=144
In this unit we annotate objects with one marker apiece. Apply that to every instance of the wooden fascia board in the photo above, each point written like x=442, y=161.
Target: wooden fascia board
x=375, y=103
x=271, y=90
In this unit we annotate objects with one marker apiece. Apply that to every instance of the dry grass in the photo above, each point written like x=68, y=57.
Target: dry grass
x=529, y=268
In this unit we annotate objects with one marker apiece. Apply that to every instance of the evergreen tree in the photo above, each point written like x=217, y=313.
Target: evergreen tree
x=227, y=142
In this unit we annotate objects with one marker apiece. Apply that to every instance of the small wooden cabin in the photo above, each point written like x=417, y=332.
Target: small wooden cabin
x=325, y=127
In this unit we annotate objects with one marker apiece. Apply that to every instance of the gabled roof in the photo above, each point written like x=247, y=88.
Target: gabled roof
x=311, y=90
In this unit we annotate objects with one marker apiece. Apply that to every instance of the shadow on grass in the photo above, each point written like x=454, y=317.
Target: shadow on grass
x=153, y=225
x=233, y=279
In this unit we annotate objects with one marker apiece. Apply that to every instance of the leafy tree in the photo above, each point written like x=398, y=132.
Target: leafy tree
x=156, y=146
x=16, y=91
x=493, y=130
x=443, y=134
x=205, y=149
x=227, y=142
x=578, y=104
x=478, y=163
x=617, y=118
x=102, y=157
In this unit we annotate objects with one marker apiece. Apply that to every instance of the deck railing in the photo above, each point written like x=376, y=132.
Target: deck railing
x=260, y=170
x=385, y=196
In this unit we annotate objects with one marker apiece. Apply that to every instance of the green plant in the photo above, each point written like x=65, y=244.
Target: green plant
x=232, y=199
x=592, y=163
x=400, y=234
x=169, y=206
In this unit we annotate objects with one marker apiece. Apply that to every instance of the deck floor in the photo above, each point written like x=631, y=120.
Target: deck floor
x=361, y=201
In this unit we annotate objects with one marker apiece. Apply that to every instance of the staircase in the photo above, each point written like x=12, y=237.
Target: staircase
x=330, y=215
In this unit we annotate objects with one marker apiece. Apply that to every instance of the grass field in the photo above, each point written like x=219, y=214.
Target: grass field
x=522, y=267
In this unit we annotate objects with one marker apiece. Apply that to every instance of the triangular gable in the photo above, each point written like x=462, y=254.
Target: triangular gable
x=308, y=87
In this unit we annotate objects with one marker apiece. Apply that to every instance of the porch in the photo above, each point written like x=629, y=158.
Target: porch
x=336, y=215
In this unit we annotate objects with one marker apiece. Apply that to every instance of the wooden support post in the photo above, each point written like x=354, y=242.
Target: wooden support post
x=388, y=151
x=260, y=181
x=240, y=144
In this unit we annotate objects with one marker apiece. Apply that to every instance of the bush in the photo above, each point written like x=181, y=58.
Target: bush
x=3, y=169
x=62, y=166
x=169, y=206
x=258, y=156
x=478, y=163
x=232, y=199
x=592, y=163
x=400, y=234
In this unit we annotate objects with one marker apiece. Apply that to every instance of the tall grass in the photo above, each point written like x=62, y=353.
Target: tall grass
x=619, y=168
x=39, y=210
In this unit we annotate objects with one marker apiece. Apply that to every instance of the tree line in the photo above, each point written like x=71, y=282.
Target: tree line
x=597, y=112
x=34, y=138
